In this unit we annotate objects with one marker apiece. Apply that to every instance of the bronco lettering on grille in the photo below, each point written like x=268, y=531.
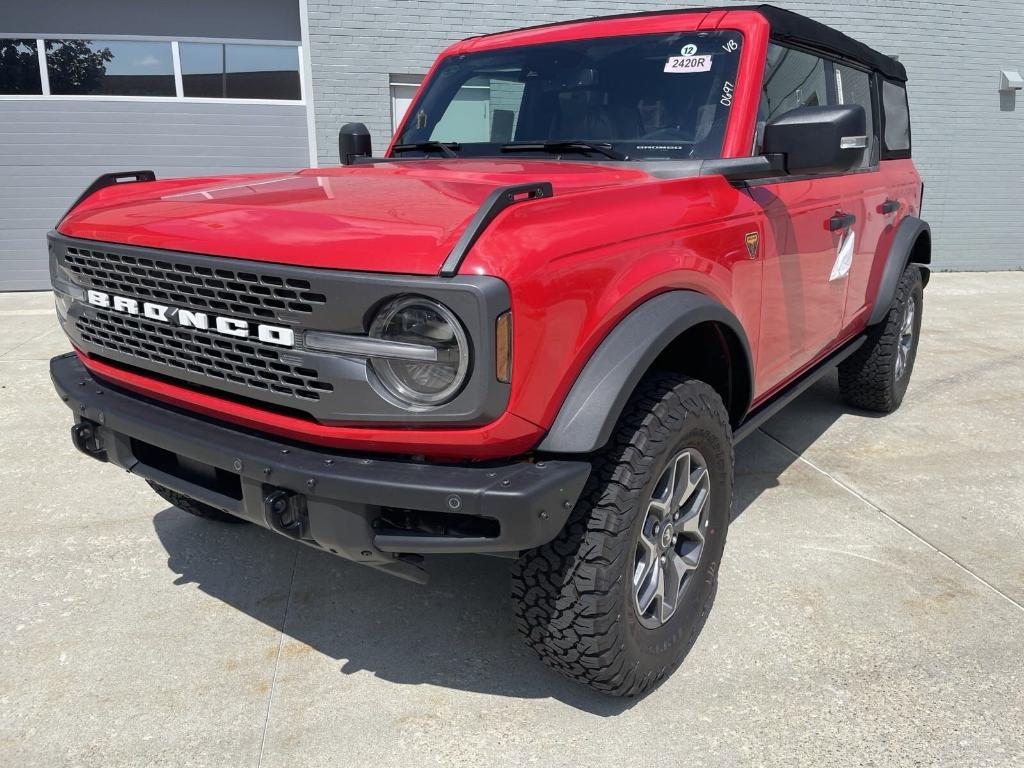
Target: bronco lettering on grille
x=229, y=326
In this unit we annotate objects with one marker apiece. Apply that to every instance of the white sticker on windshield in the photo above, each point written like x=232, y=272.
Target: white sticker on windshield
x=700, y=63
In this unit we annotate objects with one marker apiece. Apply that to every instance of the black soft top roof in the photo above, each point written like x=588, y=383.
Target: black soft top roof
x=793, y=28
x=789, y=27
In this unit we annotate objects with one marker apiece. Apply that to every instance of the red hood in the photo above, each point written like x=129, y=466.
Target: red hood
x=387, y=217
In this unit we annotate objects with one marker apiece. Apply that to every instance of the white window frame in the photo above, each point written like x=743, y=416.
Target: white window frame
x=44, y=75
x=401, y=81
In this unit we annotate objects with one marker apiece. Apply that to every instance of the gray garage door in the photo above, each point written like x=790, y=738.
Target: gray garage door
x=50, y=150
x=189, y=88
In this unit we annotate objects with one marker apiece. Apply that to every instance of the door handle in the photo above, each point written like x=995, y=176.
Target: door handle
x=841, y=221
x=889, y=206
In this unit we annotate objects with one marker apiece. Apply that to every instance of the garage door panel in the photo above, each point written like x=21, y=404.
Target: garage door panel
x=51, y=150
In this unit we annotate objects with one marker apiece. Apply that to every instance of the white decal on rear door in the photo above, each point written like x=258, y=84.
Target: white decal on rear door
x=844, y=257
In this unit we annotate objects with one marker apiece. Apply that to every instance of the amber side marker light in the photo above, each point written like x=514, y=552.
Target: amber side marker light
x=503, y=347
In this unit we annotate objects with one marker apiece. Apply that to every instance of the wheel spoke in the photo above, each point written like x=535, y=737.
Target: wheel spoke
x=908, y=319
x=650, y=589
x=662, y=498
x=689, y=552
x=674, y=571
x=662, y=609
x=658, y=509
x=694, y=515
x=648, y=554
x=698, y=480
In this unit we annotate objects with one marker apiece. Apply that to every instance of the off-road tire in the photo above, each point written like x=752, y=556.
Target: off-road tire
x=193, y=507
x=574, y=597
x=867, y=379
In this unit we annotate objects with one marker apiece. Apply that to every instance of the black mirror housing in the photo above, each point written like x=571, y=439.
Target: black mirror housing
x=354, y=141
x=818, y=139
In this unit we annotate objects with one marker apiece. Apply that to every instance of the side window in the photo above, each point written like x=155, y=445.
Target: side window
x=791, y=79
x=854, y=87
x=895, y=121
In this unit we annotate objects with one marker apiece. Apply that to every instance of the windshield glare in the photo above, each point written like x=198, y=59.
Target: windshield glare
x=647, y=96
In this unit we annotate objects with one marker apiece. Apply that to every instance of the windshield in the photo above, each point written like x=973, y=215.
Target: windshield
x=639, y=97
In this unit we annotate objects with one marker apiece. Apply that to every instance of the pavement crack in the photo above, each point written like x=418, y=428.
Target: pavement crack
x=277, y=659
x=24, y=344
x=857, y=494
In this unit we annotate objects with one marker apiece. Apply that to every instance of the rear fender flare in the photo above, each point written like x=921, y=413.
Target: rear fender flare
x=588, y=414
x=909, y=231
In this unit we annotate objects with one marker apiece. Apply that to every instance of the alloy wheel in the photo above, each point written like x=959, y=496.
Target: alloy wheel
x=906, y=340
x=672, y=537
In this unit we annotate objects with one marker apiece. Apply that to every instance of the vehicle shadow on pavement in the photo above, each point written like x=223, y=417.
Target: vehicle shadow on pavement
x=764, y=456
x=456, y=632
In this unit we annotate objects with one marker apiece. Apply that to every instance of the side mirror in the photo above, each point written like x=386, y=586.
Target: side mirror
x=818, y=139
x=353, y=142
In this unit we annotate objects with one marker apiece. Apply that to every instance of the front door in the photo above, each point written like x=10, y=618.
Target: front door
x=803, y=288
x=808, y=232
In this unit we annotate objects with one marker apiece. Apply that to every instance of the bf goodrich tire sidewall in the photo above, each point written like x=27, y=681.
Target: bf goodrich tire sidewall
x=664, y=645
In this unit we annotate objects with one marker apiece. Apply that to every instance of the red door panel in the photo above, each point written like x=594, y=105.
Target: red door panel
x=801, y=310
x=865, y=202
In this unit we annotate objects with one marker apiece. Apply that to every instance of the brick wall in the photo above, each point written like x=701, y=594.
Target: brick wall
x=968, y=144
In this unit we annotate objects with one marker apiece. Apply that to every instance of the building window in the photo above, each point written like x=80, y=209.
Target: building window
x=158, y=68
x=110, y=68
x=484, y=109
x=19, y=68
x=202, y=70
x=240, y=71
x=403, y=91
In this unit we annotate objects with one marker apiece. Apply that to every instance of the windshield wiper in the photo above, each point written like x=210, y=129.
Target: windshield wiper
x=446, y=148
x=558, y=147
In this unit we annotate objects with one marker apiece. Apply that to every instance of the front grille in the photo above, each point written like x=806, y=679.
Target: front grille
x=231, y=291
x=243, y=362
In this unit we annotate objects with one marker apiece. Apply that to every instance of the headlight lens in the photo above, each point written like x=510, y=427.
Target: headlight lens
x=417, y=320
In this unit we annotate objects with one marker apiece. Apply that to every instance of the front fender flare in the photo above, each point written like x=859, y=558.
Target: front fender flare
x=589, y=412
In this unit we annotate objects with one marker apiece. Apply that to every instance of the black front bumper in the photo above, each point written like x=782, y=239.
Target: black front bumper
x=328, y=499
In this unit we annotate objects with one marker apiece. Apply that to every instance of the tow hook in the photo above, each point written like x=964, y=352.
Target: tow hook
x=286, y=513
x=87, y=438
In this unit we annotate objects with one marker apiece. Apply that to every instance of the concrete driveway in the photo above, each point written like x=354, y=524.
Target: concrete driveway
x=871, y=608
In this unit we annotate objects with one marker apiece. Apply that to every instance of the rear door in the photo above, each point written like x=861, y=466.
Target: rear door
x=803, y=302
x=865, y=196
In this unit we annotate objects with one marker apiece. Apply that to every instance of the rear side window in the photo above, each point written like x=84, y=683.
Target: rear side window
x=895, y=121
x=853, y=86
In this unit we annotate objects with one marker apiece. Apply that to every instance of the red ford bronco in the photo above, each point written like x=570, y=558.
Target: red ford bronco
x=595, y=256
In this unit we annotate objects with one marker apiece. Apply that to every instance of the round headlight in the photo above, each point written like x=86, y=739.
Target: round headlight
x=420, y=321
